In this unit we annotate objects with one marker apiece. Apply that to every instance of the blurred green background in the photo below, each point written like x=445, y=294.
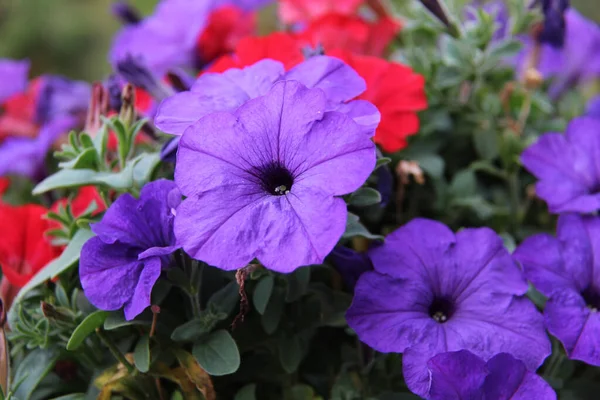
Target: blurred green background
x=68, y=37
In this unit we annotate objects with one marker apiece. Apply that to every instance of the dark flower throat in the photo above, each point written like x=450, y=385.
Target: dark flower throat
x=275, y=178
x=441, y=309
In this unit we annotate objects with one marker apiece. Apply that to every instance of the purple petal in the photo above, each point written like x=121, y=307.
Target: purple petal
x=216, y=92
x=212, y=223
x=337, y=79
x=593, y=107
x=24, y=156
x=575, y=325
x=391, y=314
x=60, y=97
x=108, y=273
x=488, y=271
x=140, y=298
x=13, y=74
x=363, y=113
x=508, y=379
x=492, y=328
x=350, y=264
x=456, y=375
x=411, y=251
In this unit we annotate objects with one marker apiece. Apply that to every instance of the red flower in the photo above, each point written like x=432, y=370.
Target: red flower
x=4, y=184
x=351, y=33
x=293, y=11
x=24, y=248
x=284, y=47
x=18, y=116
x=225, y=27
x=396, y=90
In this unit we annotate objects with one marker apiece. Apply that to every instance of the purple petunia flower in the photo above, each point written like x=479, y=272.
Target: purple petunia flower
x=167, y=38
x=14, y=77
x=461, y=375
x=350, y=264
x=440, y=292
x=228, y=90
x=59, y=97
x=566, y=166
x=27, y=156
x=120, y=265
x=566, y=269
x=262, y=182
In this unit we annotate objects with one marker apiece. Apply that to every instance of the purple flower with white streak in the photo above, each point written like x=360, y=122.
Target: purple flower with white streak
x=438, y=291
x=461, y=375
x=14, y=77
x=567, y=167
x=228, y=90
x=167, y=38
x=566, y=269
x=263, y=181
x=119, y=266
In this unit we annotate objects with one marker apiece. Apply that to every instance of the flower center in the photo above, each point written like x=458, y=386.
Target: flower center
x=592, y=299
x=275, y=178
x=441, y=309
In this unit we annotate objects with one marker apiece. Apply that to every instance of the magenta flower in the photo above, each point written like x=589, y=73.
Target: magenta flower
x=443, y=292
x=14, y=77
x=263, y=181
x=566, y=269
x=566, y=166
x=119, y=266
x=461, y=375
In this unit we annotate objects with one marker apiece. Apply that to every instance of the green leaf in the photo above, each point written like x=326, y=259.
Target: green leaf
x=381, y=161
x=505, y=48
x=226, y=298
x=68, y=257
x=297, y=284
x=141, y=354
x=32, y=369
x=262, y=293
x=68, y=178
x=365, y=196
x=194, y=328
x=464, y=184
x=217, y=354
x=290, y=352
x=487, y=144
x=302, y=392
x=72, y=396
x=448, y=76
x=355, y=228
x=432, y=164
x=86, y=328
x=116, y=320
x=145, y=167
x=87, y=159
x=248, y=392
x=272, y=316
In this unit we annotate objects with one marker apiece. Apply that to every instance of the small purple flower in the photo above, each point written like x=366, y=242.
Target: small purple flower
x=442, y=292
x=350, y=264
x=27, y=156
x=167, y=38
x=14, y=77
x=59, y=97
x=120, y=265
x=567, y=167
x=566, y=270
x=461, y=375
x=263, y=181
x=228, y=90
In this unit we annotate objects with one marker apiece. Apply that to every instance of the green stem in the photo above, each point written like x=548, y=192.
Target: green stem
x=513, y=192
x=114, y=350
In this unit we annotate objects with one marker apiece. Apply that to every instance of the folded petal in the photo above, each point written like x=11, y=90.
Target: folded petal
x=456, y=375
x=336, y=78
x=363, y=113
x=140, y=299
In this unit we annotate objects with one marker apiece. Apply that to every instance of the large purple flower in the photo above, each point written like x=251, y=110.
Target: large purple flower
x=167, y=38
x=14, y=77
x=120, y=265
x=567, y=270
x=445, y=292
x=461, y=375
x=262, y=182
x=567, y=167
x=228, y=90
